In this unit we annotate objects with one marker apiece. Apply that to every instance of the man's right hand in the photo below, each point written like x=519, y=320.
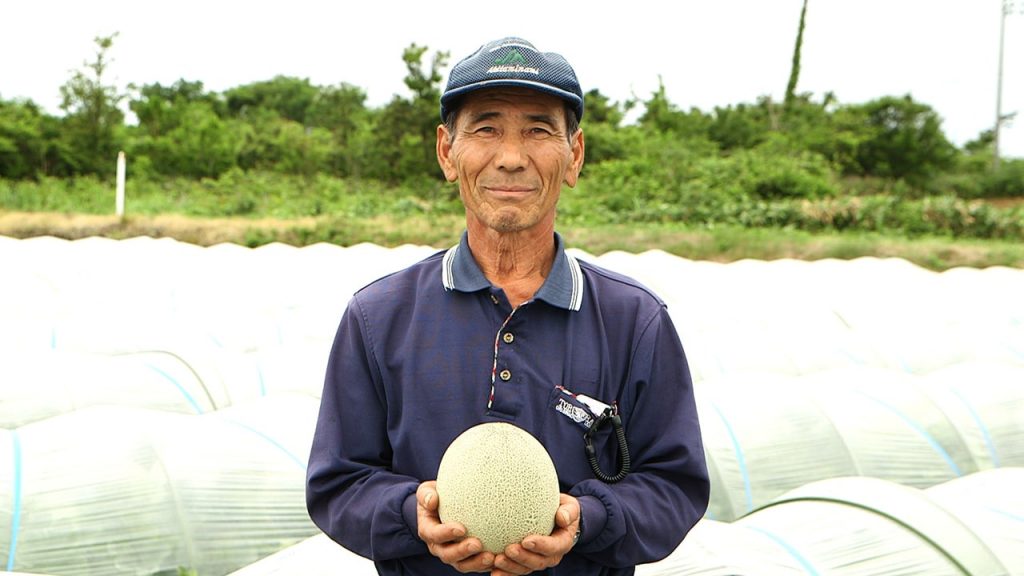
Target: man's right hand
x=447, y=541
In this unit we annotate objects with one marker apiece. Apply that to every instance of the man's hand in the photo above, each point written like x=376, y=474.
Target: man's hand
x=540, y=552
x=447, y=541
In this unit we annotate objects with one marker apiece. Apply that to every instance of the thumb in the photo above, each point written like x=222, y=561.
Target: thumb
x=568, y=512
x=427, y=496
x=430, y=500
x=563, y=518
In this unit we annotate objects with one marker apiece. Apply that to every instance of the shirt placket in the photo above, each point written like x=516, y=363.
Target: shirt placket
x=505, y=375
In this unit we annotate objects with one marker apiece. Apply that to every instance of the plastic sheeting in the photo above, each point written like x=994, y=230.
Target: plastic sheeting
x=893, y=430
x=41, y=384
x=859, y=526
x=158, y=397
x=102, y=295
x=714, y=548
x=128, y=491
x=843, y=526
x=786, y=316
x=990, y=504
x=767, y=434
x=985, y=402
x=316, y=556
x=763, y=437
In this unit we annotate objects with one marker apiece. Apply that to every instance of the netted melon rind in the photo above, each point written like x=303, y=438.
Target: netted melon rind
x=499, y=482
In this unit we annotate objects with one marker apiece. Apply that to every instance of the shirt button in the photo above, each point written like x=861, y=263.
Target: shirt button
x=505, y=375
x=508, y=337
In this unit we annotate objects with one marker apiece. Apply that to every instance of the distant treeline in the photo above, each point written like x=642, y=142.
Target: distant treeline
x=798, y=149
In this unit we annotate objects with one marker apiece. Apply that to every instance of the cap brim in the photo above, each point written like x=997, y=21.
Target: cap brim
x=451, y=96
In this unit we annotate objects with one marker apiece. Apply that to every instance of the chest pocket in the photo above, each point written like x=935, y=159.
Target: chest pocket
x=580, y=409
x=594, y=421
x=569, y=408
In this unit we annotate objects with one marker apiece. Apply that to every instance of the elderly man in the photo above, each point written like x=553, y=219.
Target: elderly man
x=506, y=326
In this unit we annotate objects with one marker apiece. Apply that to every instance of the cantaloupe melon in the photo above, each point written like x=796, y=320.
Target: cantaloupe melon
x=499, y=482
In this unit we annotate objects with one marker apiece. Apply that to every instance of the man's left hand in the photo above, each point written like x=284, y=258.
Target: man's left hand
x=539, y=552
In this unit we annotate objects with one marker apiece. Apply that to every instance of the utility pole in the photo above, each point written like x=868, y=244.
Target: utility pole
x=1007, y=8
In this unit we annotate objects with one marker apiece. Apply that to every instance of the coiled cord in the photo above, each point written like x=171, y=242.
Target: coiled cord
x=620, y=437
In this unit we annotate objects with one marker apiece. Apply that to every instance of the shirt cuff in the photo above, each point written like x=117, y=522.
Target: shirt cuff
x=593, y=517
x=409, y=514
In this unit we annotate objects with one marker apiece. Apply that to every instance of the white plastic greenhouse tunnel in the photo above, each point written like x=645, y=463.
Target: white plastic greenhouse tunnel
x=864, y=525
x=157, y=401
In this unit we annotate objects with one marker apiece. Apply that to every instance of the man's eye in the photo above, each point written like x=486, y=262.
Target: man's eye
x=484, y=130
x=539, y=131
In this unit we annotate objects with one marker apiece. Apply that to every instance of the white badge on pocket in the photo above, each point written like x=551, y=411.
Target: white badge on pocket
x=579, y=408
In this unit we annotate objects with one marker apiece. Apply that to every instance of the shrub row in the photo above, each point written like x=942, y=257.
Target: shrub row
x=741, y=190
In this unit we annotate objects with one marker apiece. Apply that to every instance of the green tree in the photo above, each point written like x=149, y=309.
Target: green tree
x=661, y=115
x=20, y=140
x=182, y=131
x=904, y=139
x=276, y=134
x=93, y=125
x=741, y=125
x=197, y=144
x=271, y=142
x=405, y=130
x=794, y=71
x=606, y=137
x=158, y=108
x=983, y=144
x=289, y=97
x=341, y=110
x=599, y=109
x=835, y=132
x=29, y=142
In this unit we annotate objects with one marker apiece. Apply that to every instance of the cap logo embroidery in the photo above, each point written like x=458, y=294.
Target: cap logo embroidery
x=512, y=61
x=512, y=57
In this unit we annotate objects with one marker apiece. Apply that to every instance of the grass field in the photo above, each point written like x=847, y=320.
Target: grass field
x=720, y=244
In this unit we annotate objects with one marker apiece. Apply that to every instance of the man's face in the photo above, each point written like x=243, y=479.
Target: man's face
x=510, y=155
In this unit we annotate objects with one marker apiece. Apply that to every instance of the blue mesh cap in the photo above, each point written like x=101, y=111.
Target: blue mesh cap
x=512, y=62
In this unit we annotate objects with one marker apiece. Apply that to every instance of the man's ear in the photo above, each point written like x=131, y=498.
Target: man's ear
x=444, y=154
x=572, y=171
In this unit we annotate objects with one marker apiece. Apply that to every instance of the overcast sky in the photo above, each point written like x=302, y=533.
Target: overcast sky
x=708, y=52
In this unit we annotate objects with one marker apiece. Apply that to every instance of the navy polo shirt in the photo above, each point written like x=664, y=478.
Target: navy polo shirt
x=424, y=354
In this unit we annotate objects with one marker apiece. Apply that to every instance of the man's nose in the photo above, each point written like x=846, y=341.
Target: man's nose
x=511, y=153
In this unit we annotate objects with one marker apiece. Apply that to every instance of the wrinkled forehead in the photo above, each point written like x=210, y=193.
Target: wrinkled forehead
x=511, y=100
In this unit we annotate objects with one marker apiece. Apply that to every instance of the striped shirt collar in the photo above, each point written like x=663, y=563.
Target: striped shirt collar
x=562, y=288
